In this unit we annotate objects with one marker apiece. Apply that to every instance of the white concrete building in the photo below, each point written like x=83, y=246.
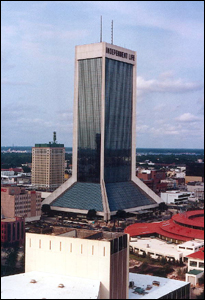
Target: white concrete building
x=40, y=285
x=195, y=266
x=157, y=248
x=190, y=247
x=7, y=173
x=175, y=197
x=101, y=256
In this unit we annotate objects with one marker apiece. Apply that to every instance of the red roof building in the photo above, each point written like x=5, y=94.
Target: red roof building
x=181, y=228
x=197, y=255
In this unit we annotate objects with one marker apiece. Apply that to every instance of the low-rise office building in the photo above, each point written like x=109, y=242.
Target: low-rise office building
x=195, y=266
x=157, y=248
x=175, y=197
x=12, y=231
x=17, y=201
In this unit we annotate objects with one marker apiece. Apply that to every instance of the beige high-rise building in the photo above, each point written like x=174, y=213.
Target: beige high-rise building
x=48, y=165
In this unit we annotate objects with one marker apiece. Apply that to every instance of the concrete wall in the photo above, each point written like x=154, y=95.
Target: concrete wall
x=70, y=256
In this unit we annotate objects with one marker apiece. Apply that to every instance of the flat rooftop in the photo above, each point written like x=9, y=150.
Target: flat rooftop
x=80, y=233
x=156, y=245
x=46, y=287
x=165, y=286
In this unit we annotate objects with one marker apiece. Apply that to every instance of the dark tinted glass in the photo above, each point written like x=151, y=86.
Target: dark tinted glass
x=118, y=120
x=89, y=119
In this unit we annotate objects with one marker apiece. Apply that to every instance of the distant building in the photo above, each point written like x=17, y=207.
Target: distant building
x=180, y=228
x=16, y=201
x=194, y=172
x=12, y=231
x=156, y=248
x=48, y=165
x=195, y=266
x=175, y=197
x=197, y=189
x=5, y=172
x=153, y=179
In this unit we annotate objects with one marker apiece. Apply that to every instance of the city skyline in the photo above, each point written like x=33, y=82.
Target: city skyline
x=38, y=40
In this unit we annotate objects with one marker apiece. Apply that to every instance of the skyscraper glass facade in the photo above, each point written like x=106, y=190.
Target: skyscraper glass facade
x=118, y=120
x=89, y=119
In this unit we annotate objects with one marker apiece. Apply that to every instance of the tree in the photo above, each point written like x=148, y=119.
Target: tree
x=46, y=208
x=26, y=169
x=91, y=215
x=11, y=258
x=120, y=214
x=162, y=206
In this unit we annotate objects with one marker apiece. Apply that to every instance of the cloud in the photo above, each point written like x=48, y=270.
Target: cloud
x=5, y=64
x=8, y=82
x=187, y=117
x=154, y=14
x=167, y=85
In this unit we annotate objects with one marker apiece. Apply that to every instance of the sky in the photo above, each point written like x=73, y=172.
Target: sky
x=38, y=40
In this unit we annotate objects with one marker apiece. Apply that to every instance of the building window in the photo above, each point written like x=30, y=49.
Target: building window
x=201, y=265
x=103, y=251
x=193, y=263
x=70, y=247
x=81, y=249
x=92, y=250
x=29, y=242
x=60, y=246
x=39, y=243
x=49, y=245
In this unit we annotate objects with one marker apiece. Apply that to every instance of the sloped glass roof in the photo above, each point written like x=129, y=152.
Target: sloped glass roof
x=81, y=195
x=125, y=195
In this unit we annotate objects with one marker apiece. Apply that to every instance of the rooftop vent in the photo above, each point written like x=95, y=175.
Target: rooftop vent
x=61, y=285
x=149, y=286
x=131, y=284
x=155, y=282
x=33, y=281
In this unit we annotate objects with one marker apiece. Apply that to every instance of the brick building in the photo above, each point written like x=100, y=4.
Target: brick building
x=13, y=231
x=152, y=178
x=16, y=201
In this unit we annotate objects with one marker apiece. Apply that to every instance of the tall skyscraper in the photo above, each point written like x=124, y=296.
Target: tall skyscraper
x=48, y=165
x=104, y=149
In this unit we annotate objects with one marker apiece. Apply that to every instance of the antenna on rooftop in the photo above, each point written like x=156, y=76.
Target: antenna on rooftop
x=54, y=137
x=112, y=32
x=101, y=29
